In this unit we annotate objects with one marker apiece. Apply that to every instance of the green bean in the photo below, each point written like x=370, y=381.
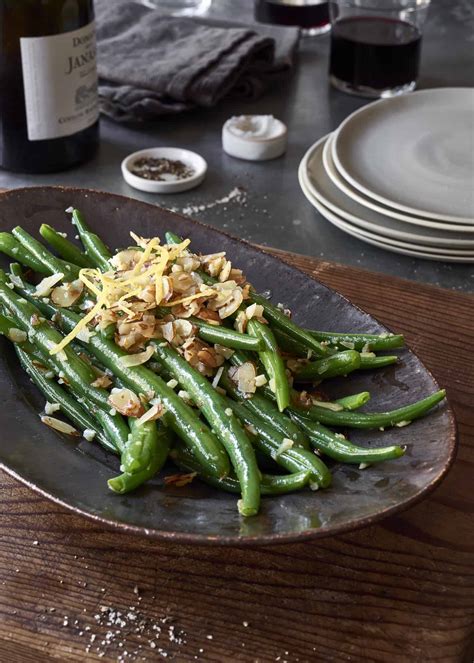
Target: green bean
x=126, y=482
x=113, y=424
x=293, y=459
x=341, y=363
x=68, y=366
x=225, y=336
x=68, y=404
x=41, y=253
x=179, y=416
x=272, y=361
x=63, y=247
x=172, y=238
x=17, y=270
x=272, y=313
x=336, y=446
x=137, y=453
x=96, y=250
x=291, y=345
x=12, y=247
x=7, y=324
x=353, y=402
x=109, y=331
x=222, y=421
x=369, y=363
x=267, y=411
x=366, y=420
x=355, y=341
x=278, y=320
x=276, y=484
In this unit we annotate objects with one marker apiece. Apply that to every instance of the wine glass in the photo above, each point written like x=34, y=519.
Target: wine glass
x=179, y=7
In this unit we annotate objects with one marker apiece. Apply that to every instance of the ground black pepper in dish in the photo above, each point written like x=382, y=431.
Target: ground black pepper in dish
x=161, y=169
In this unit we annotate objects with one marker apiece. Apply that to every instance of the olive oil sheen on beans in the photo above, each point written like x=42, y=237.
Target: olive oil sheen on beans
x=48, y=84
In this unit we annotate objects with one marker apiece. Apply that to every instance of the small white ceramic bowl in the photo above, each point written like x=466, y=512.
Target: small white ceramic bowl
x=191, y=159
x=244, y=145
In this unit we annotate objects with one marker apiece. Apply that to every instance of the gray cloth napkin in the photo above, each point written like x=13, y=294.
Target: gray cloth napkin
x=151, y=65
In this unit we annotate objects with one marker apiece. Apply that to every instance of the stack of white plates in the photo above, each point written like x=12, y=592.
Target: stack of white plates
x=399, y=174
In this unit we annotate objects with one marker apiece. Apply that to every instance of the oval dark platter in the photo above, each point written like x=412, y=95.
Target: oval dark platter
x=74, y=475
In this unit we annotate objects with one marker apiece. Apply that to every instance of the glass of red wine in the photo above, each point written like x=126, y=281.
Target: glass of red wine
x=312, y=16
x=376, y=45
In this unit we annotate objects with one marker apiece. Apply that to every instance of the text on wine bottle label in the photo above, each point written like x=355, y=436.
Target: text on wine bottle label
x=60, y=82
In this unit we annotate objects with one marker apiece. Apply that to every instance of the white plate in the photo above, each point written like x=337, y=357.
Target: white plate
x=322, y=188
x=359, y=232
x=191, y=159
x=370, y=238
x=414, y=152
x=367, y=203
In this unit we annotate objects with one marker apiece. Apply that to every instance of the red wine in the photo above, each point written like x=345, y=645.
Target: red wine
x=313, y=14
x=48, y=84
x=376, y=53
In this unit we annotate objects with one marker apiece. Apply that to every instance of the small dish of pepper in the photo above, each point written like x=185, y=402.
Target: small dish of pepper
x=164, y=170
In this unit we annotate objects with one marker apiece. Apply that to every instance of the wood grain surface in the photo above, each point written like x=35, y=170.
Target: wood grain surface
x=401, y=591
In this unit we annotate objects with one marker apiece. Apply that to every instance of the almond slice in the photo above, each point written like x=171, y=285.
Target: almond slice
x=59, y=425
x=139, y=358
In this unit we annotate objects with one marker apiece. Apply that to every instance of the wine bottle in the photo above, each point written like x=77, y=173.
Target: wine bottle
x=48, y=84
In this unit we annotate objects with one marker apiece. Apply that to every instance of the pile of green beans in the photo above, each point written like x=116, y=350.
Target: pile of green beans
x=217, y=432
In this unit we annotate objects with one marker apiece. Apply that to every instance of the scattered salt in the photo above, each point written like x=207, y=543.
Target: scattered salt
x=237, y=195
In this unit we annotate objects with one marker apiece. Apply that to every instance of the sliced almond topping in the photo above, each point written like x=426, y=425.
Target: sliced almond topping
x=59, y=425
x=103, y=381
x=155, y=412
x=65, y=295
x=126, y=402
x=139, y=358
x=231, y=306
x=254, y=311
x=45, y=286
x=244, y=377
x=223, y=351
x=225, y=271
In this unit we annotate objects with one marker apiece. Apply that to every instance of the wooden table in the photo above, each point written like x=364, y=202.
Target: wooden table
x=401, y=591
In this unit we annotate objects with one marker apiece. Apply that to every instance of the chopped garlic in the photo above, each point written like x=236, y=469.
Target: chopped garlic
x=260, y=380
x=284, y=446
x=89, y=434
x=17, y=335
x=347, y=344
x=51, y=408
x=16, y=280
x=185, y=396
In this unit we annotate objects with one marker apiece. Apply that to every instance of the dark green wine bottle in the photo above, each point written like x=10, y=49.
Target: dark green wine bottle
x=48, y=84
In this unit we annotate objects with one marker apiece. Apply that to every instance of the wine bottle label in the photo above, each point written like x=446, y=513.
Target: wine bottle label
x=60, y=82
